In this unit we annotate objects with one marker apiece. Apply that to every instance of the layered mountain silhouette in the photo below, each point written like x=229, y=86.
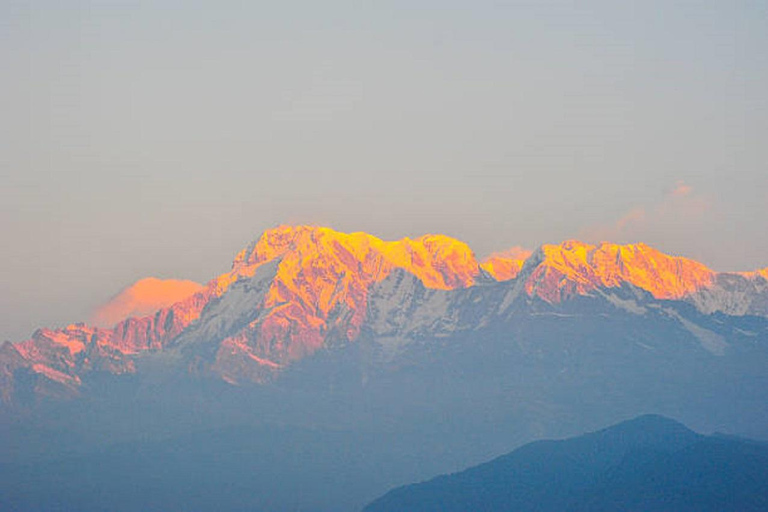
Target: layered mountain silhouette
x=649, y=463
x=297, y=290
x=343, y=366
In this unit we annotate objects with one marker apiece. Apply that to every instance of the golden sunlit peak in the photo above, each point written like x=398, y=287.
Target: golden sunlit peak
x=314, y=240
x=321, y=271
x=574, y=244
x=275, y=242
x=444, y=245
x=586, y=267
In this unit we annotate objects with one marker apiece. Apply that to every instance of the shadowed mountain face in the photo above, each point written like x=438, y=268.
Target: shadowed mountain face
x=650, y=463
x=391, y=362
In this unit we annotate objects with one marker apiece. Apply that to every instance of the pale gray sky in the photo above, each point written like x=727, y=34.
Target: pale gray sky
x=157, y=138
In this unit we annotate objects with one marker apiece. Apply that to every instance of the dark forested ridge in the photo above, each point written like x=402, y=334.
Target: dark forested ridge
x=649, y=463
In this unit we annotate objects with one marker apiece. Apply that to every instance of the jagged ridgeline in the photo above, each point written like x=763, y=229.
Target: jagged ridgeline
x=343, y=365
x=297, y=290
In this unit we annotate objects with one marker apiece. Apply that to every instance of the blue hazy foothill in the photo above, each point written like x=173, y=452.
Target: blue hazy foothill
x=650, y=463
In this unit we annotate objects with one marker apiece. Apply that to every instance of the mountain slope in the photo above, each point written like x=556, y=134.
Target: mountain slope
x=299, y=289
x=578, y=268
x=650, y=463
x=445, y=367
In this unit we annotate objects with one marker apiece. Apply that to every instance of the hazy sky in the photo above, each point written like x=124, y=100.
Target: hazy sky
x=158, y=138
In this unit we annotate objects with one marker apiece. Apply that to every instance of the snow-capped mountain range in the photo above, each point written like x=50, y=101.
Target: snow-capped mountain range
x=298, y=290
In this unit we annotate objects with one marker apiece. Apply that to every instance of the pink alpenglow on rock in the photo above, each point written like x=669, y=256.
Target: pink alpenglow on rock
x=143, y=298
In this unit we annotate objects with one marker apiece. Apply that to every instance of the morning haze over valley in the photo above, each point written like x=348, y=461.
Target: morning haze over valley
x=338, y=257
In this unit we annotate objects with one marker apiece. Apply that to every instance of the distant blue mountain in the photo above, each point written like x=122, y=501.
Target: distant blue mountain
x=650, y=463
